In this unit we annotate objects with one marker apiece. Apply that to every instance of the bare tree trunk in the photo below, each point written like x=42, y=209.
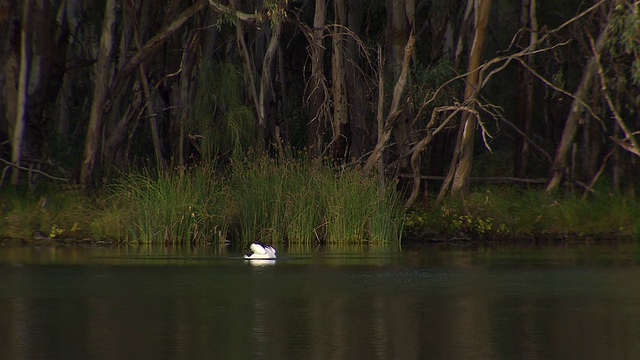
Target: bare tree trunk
x=101, y=86
x=10, y=72
x=317, y=87
x=340, y=110
x=267, y=100
x=468, y=125
x=189, y=57
x=23, y=82
x=118, y=134
x=399, y=27
x=149, y=47
x=561, y=158
x=394, y=110
x=249, y=68
x=115, y=124
x=102, y=104
x=524, y=110
x=151, y=110
x=360, y=136
x=380, y=115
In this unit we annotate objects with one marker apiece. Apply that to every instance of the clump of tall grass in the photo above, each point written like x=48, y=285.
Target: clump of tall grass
x=299, y=201
x=260, y=199
x=181, y=206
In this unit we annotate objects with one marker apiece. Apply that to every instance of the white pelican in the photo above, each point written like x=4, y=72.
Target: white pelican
x=261, y=251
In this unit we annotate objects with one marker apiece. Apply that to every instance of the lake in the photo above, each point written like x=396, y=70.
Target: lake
x=479, y=301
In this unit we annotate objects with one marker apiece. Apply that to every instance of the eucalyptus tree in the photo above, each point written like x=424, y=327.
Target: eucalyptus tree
x=525, y=87
x=463, y=155
x=107, y=97
x=33, y=55
x=614, y=28
x=316, y=90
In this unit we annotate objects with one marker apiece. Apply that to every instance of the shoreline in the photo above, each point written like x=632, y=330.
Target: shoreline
x=425, y=239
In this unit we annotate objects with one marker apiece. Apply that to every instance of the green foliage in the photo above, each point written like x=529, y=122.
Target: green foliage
x=174, y=207
x=427, y=79
x=302, y=202
x=57, y=213
x=261, y=200
x=221, y=125
x=623, y=43
x=502, y=211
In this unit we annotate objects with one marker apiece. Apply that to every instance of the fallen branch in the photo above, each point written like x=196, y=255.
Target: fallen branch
x=492, y=179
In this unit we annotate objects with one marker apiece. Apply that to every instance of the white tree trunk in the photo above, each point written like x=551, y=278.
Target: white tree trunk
x=23, y=82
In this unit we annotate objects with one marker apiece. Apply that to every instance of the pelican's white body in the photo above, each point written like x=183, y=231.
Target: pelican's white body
x=261, y=252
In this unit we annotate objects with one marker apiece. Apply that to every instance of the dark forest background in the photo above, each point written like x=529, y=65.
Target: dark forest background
x=437, y=93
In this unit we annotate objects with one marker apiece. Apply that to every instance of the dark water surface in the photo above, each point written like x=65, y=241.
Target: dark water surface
x=430, y=302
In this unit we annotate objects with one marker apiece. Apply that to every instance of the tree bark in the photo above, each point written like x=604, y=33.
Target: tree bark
x=360, y=137
x=102, y=104
x=395, y=110
x=561, y=159
x=103, y=75
x=248, y=67
x=339, y=88
x=267, y=100
x=400, y=24
x=189, y=57
x=528, y=21
x=149, y=47
x=380, y=115
x=150, y=107
x=317, y=88
x=23, y=82
x=463, y=167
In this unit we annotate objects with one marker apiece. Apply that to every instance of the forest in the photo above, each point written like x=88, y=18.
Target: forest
x=430, y=96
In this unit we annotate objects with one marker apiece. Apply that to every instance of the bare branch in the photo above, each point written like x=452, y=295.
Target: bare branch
x=629, y=143
x=10, y=164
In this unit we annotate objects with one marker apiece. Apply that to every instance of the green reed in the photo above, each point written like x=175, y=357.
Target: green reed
x=260, y=199
x=180, y=206
x=303, y=202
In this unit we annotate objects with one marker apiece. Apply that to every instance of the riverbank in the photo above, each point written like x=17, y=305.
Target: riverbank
x=296, y=203
x=513, y=213
x=259, y=200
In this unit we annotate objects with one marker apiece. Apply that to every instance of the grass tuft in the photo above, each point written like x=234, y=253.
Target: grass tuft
x=504, y=211
x=302, y=202
x=174, y=207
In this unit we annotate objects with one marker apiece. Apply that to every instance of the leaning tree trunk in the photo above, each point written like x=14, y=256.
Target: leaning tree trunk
x=99, y=95
x=150, y=107
x=102, y=104
x=561, y=158
x=399, y=28
x=465, y=145
x=394, y=111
